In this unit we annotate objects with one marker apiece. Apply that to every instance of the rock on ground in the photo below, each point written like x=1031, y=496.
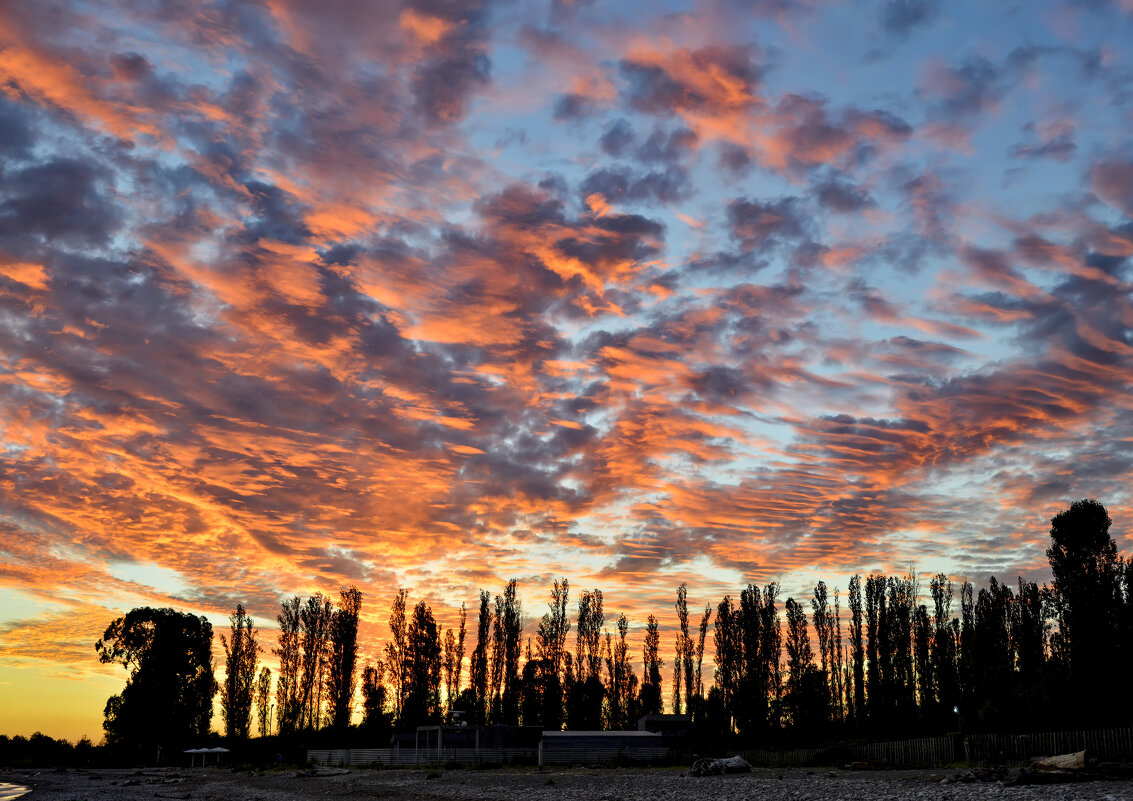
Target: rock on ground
x=718, y=767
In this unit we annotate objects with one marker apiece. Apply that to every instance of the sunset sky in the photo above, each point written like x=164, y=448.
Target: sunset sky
x=302, y=293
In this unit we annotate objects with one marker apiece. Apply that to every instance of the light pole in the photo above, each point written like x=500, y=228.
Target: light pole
x=960, y=734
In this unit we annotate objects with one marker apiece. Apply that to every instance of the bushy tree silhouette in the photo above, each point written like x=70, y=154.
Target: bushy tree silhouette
x=168, y=696
x=1084, y=561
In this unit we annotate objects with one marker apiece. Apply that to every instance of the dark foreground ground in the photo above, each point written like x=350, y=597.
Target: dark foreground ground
x=530, y=784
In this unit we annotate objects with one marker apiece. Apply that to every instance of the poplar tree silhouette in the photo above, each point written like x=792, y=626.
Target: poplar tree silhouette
x=682, y=657
x=511, y=621
x=479, y=665
x=945, y=639
x=263, y=701
x=551, y=640
x=857, y=650
x=375, y=718
x=397, y=651
x=651, y=690
x=728, y=640
x=621, y=688
x=807, y=698
x=422, y=700
x=343, y=657
x=1010, y=659
x=314, y=636
x=240, y=654
x=454, y=659
x=587, y=692
x=287, y=698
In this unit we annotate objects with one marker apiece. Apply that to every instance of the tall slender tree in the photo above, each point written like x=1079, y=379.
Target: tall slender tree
x=823, y=617
x=240, y=654
x=551, y=639
x=397, y=651
x=454, y=659
x=682, y=657
x=622, y=682
x=697, y=684
x=652, y=663
x=876, y=647
x=922, y=658
x=496, y=663
x=287, y=698
x=479, y=666
x=343, y=661
x=839, y=685
x=422, y=700
x=374, y=697
x=899, y=628
x=555, y=626
x=263, y=701
x=729, y=657
x=314, y=636
x=807, y=699
x=512, y=622
x=857, y=650
x=591, y=617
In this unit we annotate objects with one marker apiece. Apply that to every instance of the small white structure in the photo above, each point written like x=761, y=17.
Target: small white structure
x=204, y=754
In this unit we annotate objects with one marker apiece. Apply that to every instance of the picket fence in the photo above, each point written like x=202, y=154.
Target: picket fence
x=922, y=752
x=410, y=757
x=1105, y=744
x=925, y=752
x=469, y=757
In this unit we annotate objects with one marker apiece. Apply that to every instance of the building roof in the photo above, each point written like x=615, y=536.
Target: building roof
x=627, y=733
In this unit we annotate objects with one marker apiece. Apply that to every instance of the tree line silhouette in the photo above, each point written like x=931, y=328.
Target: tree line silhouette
x=999, y=657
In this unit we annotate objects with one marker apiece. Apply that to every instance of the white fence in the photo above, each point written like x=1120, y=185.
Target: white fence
x=923, y=752
x=1104, y=744
x=566, y=755
x=408, y=757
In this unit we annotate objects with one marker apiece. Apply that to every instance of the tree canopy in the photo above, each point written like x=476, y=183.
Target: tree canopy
x=168, y=696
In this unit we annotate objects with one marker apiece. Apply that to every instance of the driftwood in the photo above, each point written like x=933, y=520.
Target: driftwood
x=1059, y=769
x=1028, y=776
x=1075, y=761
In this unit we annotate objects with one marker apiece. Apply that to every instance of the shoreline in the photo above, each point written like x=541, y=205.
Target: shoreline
x=10, y=792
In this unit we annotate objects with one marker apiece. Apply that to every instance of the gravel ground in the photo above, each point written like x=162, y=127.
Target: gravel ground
x=529, y=784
